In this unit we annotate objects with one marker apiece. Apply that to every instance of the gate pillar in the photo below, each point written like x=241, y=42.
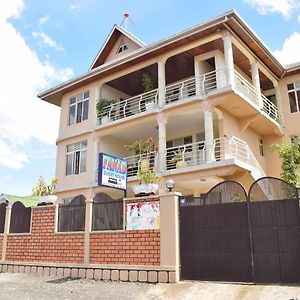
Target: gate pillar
x=169, y=231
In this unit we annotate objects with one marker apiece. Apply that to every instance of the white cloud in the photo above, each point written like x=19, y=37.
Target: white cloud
x=10, y=157
x=75, y=9
x=22, y=75
x=47, y=40
x=44, y=20
x=11, y=9
x=284, y=7
x=290, y=51
x=299, y=18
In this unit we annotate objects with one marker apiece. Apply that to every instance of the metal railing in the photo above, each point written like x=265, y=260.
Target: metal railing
x=185, y=155
x=187, y=88
x=134, y=162
x=245, y=87
x=180, y=90
x=270, y=109
x=222, y=148
x=130, y=107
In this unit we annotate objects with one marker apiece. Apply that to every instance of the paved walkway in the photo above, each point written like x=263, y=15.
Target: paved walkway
x=23, y=286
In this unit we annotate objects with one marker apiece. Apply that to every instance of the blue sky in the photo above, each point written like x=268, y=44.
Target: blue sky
x=48, y=41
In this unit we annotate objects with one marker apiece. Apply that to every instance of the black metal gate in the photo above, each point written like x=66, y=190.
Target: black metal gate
x=230, y=236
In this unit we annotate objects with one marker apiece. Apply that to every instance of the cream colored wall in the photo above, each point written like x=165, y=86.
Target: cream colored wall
x=231, y=126
x=114, y=146
x=82, y=180
x=291, y=120
x=108, y=92
x=69, y=130
x=131, y=47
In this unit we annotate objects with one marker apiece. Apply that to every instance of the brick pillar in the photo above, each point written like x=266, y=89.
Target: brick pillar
x=169, y=231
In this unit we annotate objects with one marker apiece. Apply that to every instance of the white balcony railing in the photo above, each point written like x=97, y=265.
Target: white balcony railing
x=194, y=154
x=185, y=89
x=134, y=162
x=131, y=106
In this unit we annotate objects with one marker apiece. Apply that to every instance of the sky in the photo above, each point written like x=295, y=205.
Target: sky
x=47, y=42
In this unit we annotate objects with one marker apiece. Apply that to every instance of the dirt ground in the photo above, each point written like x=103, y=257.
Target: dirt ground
x=23, y=287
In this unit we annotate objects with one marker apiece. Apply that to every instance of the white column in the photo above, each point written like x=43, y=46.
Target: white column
x=88, y=227
x=96, y=159
x=256, y=81
x=279, y=101
x=209, y=135
x=161, y=83
x=97, y=98
x=6, y=231
x=228, y=53
x=162, y=138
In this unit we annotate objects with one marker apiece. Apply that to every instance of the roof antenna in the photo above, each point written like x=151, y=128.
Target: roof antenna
x=125, y=19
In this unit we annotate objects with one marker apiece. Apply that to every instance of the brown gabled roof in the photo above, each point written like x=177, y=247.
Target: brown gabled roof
x=110, y=41
x=292, y=69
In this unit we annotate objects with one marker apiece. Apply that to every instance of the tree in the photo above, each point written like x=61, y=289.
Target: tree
x=44, y=189
x=290, y=155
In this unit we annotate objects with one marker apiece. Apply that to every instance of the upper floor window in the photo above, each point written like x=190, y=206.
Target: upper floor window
x=261, y=147
x=122, y=47
x=76, y=158
x=79, y=108
x=294, y=96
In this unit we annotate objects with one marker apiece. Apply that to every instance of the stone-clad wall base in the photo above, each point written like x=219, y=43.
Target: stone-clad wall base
x=132, y=274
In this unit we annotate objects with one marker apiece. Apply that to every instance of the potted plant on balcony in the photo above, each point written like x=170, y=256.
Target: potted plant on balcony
x=43, y=192
x=145, y=150
x=103, y=111
x=147, y=84
x=179, y=159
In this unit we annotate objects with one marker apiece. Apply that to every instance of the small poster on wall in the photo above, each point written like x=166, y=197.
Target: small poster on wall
x=142, y=215
x=112, y=171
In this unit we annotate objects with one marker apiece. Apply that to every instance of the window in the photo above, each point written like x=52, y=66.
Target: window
x=79, y=108
x=122, y=47
x=76, y=158
x=294, y=96
x=261, y=147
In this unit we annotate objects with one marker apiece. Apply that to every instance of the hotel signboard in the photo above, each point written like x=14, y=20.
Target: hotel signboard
x=112, y=171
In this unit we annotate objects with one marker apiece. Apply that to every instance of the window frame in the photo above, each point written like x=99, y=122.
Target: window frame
x=76, y=158
x=295, y=90
x=79, y=100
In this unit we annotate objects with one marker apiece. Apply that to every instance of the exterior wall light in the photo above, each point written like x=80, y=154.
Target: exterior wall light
x=170, y=185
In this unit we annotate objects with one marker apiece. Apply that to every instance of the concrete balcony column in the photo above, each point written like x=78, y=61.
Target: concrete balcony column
x=162, y=139
x=98, y=89
x=228, y=55
x=209, y=135
x=256, y=81
x=161, y=82
x=96, y=146
x=279, y=101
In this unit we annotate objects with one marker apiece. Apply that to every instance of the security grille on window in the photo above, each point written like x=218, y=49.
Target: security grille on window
x=76, y=158
x=294, y=96
x=79, y=108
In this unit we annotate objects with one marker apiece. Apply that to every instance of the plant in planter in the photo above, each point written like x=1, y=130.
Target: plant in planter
x=43, y=191
x=148, y=87
x=179, y=159
x=102, y=110
x=145, y=149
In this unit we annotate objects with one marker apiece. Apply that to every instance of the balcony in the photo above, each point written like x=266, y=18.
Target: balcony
x=206, y=85
x=195, y=154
